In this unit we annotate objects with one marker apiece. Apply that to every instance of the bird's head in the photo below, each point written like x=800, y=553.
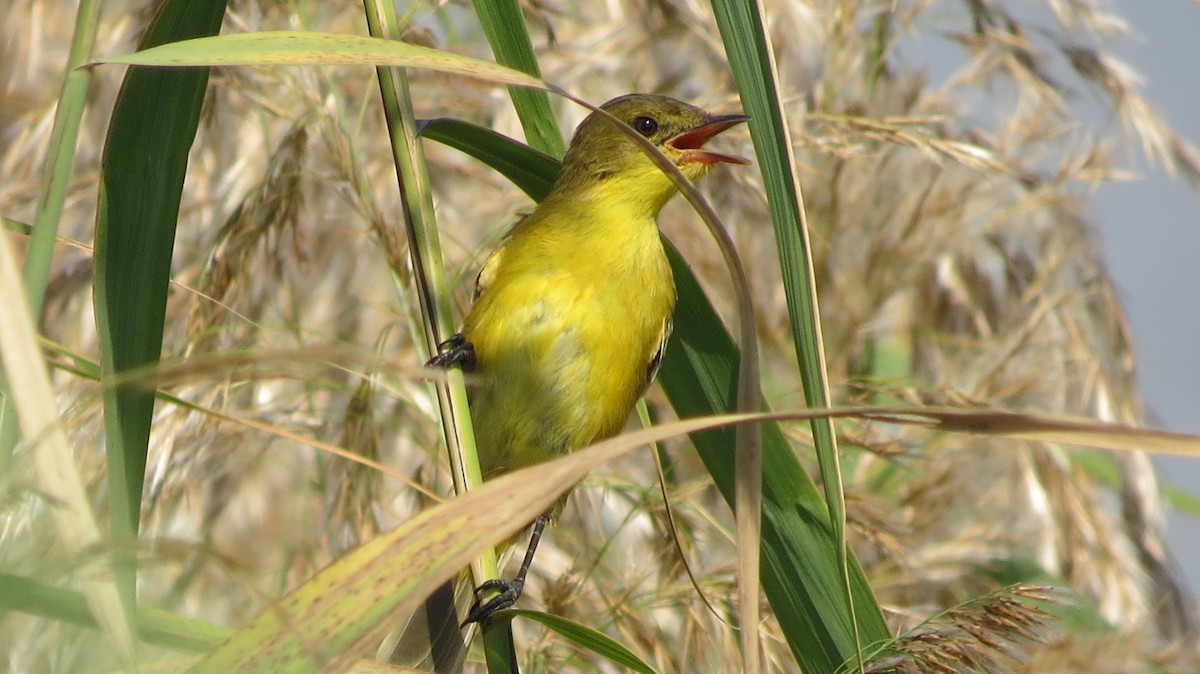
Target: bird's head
x=604, y=157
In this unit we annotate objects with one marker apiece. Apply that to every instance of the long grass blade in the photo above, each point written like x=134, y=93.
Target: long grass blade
x=525, y=167
x=298, y=48
x=142, y=171
x=325, y=622
x=504, y=24
x=801, y=574
x=434, y=301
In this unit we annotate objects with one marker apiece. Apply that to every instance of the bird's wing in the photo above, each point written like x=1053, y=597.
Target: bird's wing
x=656, y=359
x=487, y=273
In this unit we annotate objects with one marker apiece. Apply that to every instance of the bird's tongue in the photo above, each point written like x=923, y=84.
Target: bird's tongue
x=693, y=140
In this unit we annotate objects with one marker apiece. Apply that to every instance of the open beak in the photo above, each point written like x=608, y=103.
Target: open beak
x=690, y=142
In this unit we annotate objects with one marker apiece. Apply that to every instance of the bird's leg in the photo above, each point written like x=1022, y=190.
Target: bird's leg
x=454, y=351
x=509, y=590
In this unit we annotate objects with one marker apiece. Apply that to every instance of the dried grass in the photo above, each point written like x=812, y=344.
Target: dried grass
x=951, y=242
x=989, y=634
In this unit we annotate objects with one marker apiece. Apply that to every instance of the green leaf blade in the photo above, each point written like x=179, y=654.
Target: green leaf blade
x=141, y=181
x=801, y=574
x=295, y=48
x=585, y=637
x=530, y=170
x=504, y=24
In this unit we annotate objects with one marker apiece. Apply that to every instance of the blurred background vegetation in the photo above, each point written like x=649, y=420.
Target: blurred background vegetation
x=954, y=265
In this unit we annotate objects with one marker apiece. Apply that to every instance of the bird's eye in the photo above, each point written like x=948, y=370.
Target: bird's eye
x=645, y=126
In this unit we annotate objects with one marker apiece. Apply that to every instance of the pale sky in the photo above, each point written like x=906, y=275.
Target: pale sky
x=1151, y=240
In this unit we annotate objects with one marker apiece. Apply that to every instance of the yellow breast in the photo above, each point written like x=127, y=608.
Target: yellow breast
x=570, y=313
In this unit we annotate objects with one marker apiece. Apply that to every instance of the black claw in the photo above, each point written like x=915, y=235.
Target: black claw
x=510, y=591
x=454, y=351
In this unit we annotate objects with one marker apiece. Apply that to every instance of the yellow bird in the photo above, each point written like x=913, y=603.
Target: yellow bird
x=572, y=311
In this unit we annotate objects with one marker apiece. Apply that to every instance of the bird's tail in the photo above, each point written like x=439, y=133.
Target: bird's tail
x=433, y=640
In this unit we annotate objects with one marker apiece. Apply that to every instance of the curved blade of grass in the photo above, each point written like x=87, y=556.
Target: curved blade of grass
x=748, y=46
x=584, y=637
x=141, y=180
x=504, y=24
x=1041, y=428
x=294, y=48
x=327, y=621
x=801, y=574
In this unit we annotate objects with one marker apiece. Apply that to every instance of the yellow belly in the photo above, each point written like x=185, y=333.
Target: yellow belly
x=563, y=335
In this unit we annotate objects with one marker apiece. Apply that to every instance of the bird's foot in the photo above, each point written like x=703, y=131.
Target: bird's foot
x=509, y=592
x=454, y=351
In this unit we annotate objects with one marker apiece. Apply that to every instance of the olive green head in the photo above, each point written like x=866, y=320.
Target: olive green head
x=603, y=156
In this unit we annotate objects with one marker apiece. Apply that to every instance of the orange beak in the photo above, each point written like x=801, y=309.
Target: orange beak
x=691, y=141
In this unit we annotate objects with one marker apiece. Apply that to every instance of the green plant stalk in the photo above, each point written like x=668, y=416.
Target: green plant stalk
x=63, y=136
x=499, y=650
x=52, y=193
x=10, y=429
x=430, y=278
x=504, y=25
x=433, y=296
